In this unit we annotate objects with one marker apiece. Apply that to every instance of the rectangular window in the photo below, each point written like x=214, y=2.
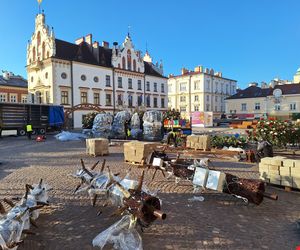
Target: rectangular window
x=130, y=101
x=216, y=98
x=108, y=99
x=148, y=86
x=139, y=85
x=107, y=81
x=162, y=88
x=196, y=85
x=13, y=97
x=277, y=106
x=148, y=101
x=196, y=98
x=64, y=97
x=227, y=92
x=24, y=99
x=155, y=87
x=120, y=99
x=244, y=106
x=129, y=83
x=170, y=88
x=3, y=97
x=182, y=86
x=257, y=106
x=83, y=97
x=207, y=98
x=293, y=106
x=155, y=102
x=120, y=82
x=208, y=85
x=207, y=107
x=196, y=107
x=182, y=98
x=140, y=100
x=182, y=109
x=97, y=98
x=162, y=102
x=216, y=108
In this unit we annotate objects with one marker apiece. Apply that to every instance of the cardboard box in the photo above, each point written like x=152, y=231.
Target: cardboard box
x=97, y=146
x=275, y=179
x=136, y=151
x=198, y=142
x=285, y=171
x=295, y=172
x=266, y=160
x=297, y=164
x=289, y=163
x=296, y=182
x=277, y=160
x=274, y=170
x=286, y=181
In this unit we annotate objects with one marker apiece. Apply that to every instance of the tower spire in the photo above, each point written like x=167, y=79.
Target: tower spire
x=39, y=2
x=128, y=31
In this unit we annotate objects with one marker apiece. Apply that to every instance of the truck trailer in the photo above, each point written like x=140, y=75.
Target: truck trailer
x=42, y=117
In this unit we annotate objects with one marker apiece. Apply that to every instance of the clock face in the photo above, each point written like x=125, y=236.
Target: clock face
x=277, y=93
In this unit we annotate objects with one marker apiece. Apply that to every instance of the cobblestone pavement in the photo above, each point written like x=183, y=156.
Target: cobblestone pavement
x=219, y=222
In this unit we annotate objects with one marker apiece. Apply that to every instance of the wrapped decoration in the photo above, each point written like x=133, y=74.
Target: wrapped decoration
x=152, y=125
x=118, y=126
x=135, y=125
x=102, y=125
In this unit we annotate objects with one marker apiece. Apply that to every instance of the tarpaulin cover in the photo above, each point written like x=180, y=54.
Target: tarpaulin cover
x=56, y=115
x=152, y=125
x=102, y=125
x=118, y=127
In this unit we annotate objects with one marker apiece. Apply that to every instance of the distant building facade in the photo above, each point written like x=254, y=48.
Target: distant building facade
x=113, y=78
x=13, y=88
x=199, y=90
x=297, y=76
x=254, y=102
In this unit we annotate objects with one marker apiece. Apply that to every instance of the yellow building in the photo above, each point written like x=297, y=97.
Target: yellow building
x=199, y=90
x=297, y=76
x=281, y=101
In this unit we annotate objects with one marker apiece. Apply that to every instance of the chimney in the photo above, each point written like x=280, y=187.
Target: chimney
x=211, y=71
x=88, y=39
x=105, y=45
x=184, y=71
x=79, y=40
x=96, y=45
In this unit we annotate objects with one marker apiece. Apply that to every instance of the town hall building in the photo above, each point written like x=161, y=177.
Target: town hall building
x=113, y=78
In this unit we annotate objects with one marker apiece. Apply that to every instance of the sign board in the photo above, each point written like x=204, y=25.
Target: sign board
x=202, y=119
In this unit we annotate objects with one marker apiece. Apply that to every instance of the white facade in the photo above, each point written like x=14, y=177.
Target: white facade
x=113, y=79
x=199, y=90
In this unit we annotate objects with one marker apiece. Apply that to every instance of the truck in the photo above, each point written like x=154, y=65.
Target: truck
x=42, y=117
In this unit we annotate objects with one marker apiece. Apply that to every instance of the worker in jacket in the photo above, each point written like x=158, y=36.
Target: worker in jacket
x=29, y=131
x=172, y=137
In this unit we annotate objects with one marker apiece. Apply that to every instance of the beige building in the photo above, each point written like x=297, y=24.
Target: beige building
x=297, y=76
x=199, y=90
x=253, y=102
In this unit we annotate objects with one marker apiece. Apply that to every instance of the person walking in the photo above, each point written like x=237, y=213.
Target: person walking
x=29, y=131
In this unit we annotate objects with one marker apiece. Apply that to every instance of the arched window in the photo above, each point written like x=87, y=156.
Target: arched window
x=47, y=54
x=43, y=50
x=119, y=65
x=123, y=63
x=134, y=65
x=139, y=70
x=33, y=54
x=128, y=59
x=38, y=39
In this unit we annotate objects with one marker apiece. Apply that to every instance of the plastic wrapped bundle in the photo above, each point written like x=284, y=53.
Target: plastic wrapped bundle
x=152, y=125
x=122, y=235
x=118, y=127
x=135, y=124
x=102, y=125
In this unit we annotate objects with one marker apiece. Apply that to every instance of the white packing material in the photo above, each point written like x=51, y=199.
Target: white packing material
x=69, y=136
x=122, y=235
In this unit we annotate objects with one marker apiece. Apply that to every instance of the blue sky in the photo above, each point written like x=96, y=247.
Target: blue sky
x=248, y=40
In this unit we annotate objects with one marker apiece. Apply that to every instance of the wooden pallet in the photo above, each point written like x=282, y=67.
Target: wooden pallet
x=135, y=163
x=286, y=188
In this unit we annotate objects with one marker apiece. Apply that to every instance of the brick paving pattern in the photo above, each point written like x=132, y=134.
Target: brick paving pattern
x=219, y=222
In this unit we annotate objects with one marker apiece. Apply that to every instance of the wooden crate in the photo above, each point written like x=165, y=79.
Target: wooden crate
x=136, y=151
x=97, y=146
